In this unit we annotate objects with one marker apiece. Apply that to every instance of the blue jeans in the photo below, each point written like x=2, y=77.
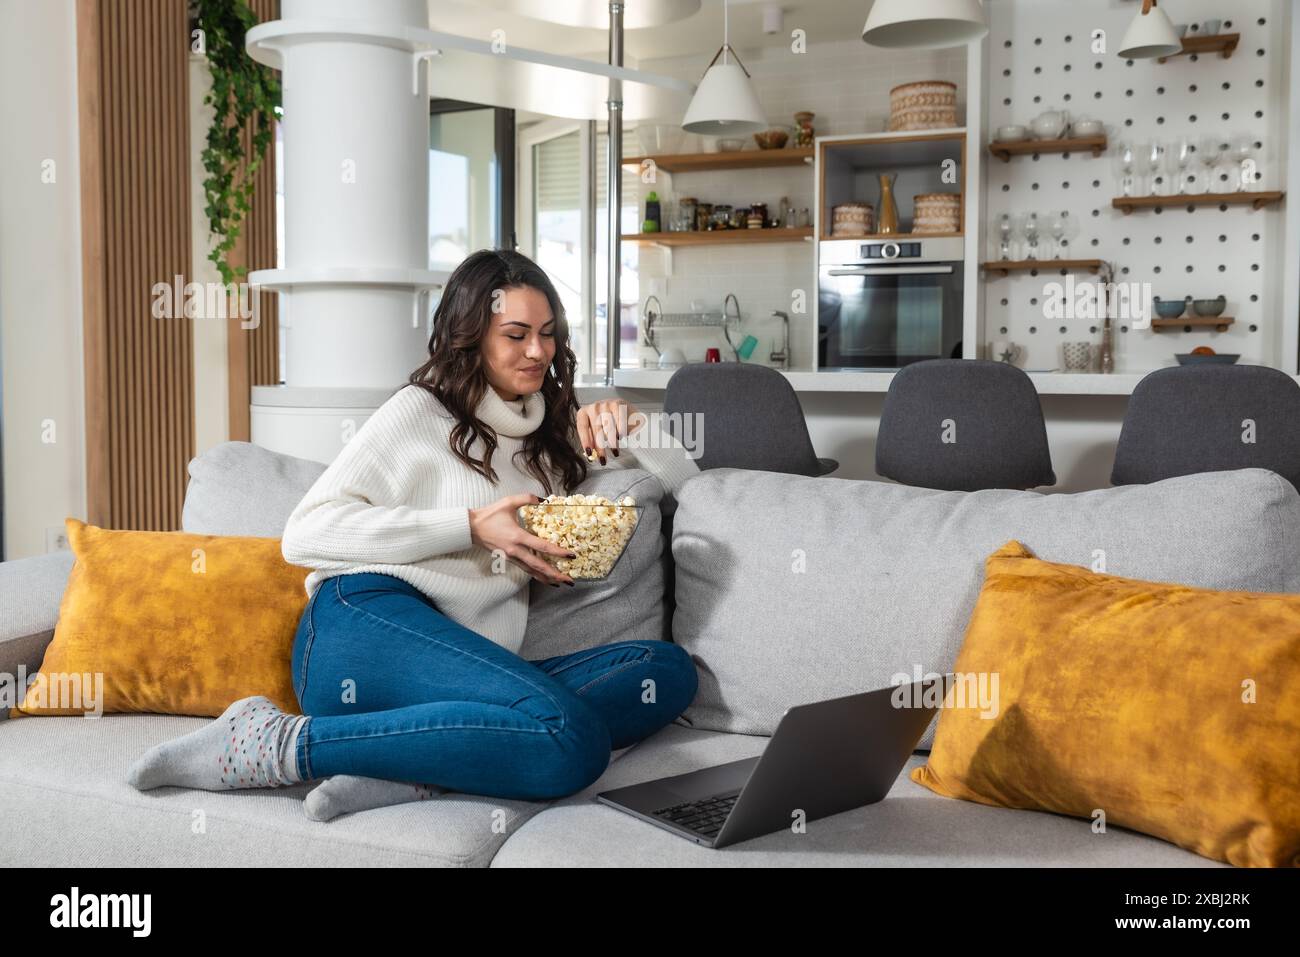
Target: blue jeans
x=397, y=690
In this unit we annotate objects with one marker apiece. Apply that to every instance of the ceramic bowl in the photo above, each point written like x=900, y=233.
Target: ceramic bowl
x=1088, y=128
x=1209, y=307
x=1009, y=134
x=1169, y=308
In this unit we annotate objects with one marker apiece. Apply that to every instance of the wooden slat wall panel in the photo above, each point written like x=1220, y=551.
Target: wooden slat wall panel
x=139, y=370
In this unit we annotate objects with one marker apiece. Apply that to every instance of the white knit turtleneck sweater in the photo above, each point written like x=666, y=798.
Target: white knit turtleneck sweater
x=396, y=500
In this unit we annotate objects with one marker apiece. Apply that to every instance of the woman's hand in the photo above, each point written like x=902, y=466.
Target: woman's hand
x=602, y=424
x=496, y=526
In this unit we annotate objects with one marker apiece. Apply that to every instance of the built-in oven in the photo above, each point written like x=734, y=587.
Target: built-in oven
x=882, y=304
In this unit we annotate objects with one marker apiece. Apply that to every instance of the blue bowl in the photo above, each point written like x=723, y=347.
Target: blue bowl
x=1169, y=308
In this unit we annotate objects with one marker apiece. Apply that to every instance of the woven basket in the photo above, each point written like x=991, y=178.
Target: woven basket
x=936, y=213
x=927, y=105
x=853, y=219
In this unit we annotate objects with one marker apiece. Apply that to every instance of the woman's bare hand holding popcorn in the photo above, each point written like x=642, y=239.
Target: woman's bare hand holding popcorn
x=602, y=424
x=496, y=526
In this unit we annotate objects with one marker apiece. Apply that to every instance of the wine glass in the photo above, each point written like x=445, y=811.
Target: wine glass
x=1030, y=228
x=1178, y=160
x=1155, y=159
x=1060, y=225
x=1209, y=150
x=1126, y=161
x=1243, y=156
x=1006, y=230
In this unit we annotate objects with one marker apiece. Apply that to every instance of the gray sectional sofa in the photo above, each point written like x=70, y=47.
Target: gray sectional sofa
x=786, y=590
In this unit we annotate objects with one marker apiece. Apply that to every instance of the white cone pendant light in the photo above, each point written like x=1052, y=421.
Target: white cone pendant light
x=724, y=103
x=930, y=24
x=1150, y=35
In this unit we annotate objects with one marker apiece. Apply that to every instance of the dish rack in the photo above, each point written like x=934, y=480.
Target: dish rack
x=681, y=320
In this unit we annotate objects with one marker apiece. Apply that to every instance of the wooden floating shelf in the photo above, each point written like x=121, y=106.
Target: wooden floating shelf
x=721, y=237
x=1258, y=200
x=1218, y=323
x=738, y=159
x=1008, y=266
x=1221, y=43
x=890, y=237
x=1078, y=144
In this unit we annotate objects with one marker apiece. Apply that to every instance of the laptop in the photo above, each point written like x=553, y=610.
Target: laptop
x=824, y=758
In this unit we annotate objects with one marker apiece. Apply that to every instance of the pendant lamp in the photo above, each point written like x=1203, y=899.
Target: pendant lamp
x=1150, y=35
x=724, y=103
x=929, y=24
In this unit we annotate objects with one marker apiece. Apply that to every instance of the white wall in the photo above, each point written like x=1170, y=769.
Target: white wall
x=40, y=274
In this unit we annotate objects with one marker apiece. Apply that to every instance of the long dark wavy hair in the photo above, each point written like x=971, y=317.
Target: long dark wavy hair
x=456, y=376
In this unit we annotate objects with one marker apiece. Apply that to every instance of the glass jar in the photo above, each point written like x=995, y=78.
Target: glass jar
x=703, y=215
x=739, y=217
x=721, y=216
x=686, y=212
x=760, y=210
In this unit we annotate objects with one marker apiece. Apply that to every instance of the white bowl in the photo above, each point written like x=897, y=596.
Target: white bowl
x=1088, y=128
x=1008, y=134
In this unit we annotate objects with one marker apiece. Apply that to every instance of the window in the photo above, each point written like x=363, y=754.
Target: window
x=563, y=228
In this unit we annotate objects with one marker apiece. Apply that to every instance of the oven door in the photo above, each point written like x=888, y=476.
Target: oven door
x=884, y=317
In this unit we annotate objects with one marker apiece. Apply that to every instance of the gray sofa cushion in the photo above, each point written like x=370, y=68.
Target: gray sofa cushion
x=237, y=488
x=793, y=589
x=629, y=606
x=911, y=827
x=65, y=802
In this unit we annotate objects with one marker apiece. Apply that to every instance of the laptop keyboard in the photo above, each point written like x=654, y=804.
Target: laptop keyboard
x=704, y=817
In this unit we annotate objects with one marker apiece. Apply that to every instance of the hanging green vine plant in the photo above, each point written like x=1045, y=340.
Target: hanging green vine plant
x=242, y=89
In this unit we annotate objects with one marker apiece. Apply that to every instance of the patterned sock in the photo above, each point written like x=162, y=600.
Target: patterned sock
x=347, y=793
x=251, y=745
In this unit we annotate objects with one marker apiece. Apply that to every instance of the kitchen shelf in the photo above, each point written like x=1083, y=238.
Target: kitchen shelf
x=1077, y=144
x=1008, y=266
x=1218, y=323
x=1221, y=43
x=722, y=237
x=739, y=159
x=909, y=237
x=1256, y=199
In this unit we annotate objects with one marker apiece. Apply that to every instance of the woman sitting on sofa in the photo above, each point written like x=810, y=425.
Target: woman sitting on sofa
x=405, y=660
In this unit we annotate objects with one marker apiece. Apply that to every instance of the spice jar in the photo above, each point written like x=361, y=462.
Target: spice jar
x=686, y=212
x=759, y=210
x=721, y=216
x=703, y=215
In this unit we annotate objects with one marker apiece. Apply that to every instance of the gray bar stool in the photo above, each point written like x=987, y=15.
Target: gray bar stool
x=963, y=425
x=751, y=416
x=1209, y=418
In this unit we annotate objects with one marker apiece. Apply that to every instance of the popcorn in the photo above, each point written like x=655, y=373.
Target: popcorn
x=593, y=526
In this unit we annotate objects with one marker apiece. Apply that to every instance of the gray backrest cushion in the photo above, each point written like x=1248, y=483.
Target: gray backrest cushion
x=238, y=488
x=629, y=606
x=792, y=590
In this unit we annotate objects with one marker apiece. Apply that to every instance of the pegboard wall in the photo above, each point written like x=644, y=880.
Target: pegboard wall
x=1040, y=58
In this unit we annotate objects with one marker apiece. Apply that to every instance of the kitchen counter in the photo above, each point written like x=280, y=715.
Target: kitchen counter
x=806, y=380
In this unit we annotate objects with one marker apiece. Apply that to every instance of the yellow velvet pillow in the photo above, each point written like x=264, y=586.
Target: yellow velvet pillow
x=170, y=623
x=1174, y=710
